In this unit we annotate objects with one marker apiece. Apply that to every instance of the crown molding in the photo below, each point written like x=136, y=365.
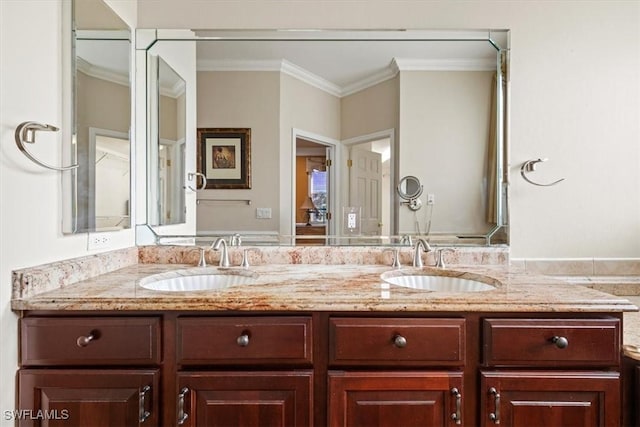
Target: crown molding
x=395, y=66
x=174, y=91
x=102, y=73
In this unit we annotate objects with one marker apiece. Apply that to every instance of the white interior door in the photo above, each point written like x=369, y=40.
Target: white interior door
x=365, y=189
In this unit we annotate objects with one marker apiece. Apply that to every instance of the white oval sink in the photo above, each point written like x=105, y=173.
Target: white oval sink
x=436, y=283
x=197, y=282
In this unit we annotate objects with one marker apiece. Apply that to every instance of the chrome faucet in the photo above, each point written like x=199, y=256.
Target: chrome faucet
x=224, y=255
x=417, y=259
x=440, y=257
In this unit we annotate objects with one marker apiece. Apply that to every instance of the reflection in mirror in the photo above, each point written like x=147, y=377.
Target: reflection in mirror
x=409, y=188
x=433, y=99
x=167, y=149
x=99, y=189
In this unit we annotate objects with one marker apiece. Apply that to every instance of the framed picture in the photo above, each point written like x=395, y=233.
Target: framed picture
x=224, y=157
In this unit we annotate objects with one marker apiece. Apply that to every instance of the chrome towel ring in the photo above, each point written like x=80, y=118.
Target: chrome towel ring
x=26, y=132
x=530, y=166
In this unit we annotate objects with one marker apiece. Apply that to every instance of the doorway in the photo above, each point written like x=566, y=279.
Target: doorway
x=371, y=174
x=313, y=184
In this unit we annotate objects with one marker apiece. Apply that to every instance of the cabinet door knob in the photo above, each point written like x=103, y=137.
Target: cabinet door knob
x=400, y=341
x=84, y=341
x=243, y=340
x=560, y=342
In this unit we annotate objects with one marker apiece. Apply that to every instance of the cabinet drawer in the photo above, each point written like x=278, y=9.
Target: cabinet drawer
x=89, y=341
x=396, y=341
x=552, y=342
x=244, y=340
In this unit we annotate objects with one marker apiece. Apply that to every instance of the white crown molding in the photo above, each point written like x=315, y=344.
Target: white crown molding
x=310, y=78
x=174, y=91
x=101, y=72
x=385, y=74
x=395, y=66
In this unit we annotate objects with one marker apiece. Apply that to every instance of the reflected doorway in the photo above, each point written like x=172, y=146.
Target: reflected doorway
x=313, y=161
x=370, y=183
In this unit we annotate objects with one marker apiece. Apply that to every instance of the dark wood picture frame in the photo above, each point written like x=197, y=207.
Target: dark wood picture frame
x=224, y=157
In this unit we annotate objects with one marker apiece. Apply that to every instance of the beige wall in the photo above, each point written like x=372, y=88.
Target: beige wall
x=309, y=109
x=448, y=158
x=370, y=110
x=168, y=122
x=243, y=100
x=574, y=99
x=30, y=196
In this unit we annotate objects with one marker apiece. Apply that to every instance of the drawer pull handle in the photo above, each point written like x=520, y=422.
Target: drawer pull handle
x=144, y=414
x=560, y=342
x=243, y=340
x=495, y=416
x=457, y=415
x=84, y=341
x=182, y=415
x=400, y=341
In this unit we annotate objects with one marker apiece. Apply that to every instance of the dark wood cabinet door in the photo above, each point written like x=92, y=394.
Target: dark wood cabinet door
x=550, y=399
x=88, y=398
x=245, y=399
x=391, y=399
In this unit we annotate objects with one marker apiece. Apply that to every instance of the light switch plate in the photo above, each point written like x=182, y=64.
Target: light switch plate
x=263, y=213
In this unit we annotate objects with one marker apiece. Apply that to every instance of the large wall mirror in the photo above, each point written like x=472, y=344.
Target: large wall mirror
x=337, y=119
x=97, y=193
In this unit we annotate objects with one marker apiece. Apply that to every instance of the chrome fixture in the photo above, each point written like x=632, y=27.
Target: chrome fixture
x=417, y=259
x=224, y=255
x=409, y=189
x=191, y=176
x=406, y=240
x=202, y=262
x=395, y=262
x=236, y=240
x=440, y=257
x=530, y=166
x=245, y=257
x=26, y=132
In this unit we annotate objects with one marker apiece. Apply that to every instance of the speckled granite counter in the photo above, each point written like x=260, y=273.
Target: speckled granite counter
x=309, y=279
x=316, y=287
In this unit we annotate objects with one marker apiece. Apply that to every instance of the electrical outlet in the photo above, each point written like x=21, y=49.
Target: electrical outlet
x=431, y=199
x=98, y=241
x=263, y=213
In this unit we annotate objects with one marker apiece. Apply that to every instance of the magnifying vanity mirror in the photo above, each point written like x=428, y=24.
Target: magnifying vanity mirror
x=97, y=193
x=409, y=189
x=337, y=117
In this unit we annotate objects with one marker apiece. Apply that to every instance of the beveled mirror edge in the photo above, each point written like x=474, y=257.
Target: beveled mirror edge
x=69, y=192
x=498, y=38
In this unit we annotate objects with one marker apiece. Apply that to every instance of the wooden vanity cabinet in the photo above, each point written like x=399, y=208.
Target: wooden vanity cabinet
x=89, y=371
x=367, y=389
x=244, y=371
x=583, y=389
x=322, y=369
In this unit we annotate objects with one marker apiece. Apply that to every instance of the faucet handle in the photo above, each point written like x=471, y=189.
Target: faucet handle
x=440, y=256
x=202, y=262
x=245, y=257
x=236, y=240
x=395, y=263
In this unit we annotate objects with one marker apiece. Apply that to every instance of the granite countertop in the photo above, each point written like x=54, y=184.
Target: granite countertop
x=317, y=287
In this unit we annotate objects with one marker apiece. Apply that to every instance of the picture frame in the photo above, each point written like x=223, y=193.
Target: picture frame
x=224, y=157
